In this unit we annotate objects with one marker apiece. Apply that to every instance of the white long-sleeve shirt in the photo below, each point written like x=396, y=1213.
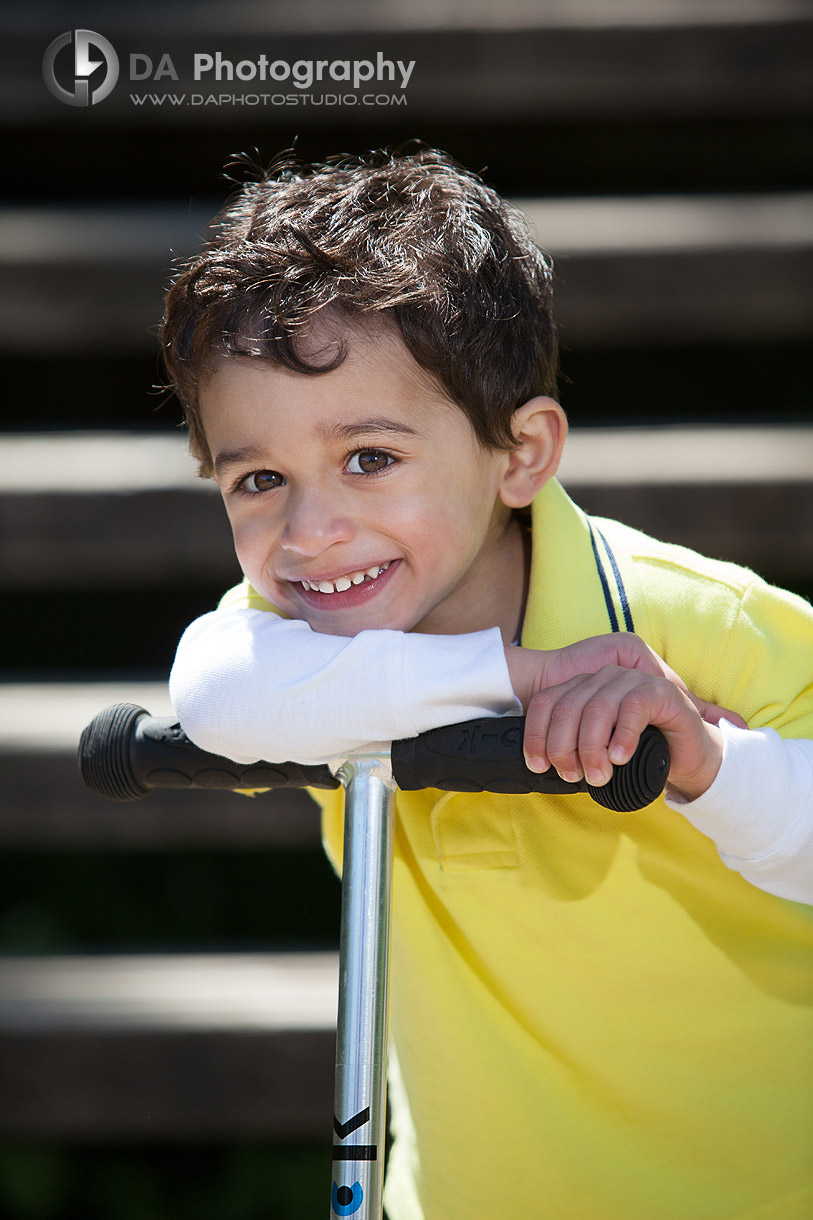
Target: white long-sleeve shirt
x=249, y=685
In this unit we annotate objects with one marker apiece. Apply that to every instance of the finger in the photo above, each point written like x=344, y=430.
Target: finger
x=595, y=731
x=563, y=736
x=634, y=653
x=629, y=651
x=639, y=708
x=535, y=736
x=619, y=710
x=581, y=722
x=643, y=658
x=677, y=718
x=537, y=724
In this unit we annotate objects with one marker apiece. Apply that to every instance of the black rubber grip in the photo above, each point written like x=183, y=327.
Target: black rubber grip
x=486, y=756
x=124, y=753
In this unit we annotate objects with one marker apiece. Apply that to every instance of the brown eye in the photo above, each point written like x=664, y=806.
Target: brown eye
x=369, y=461
x=262, y=480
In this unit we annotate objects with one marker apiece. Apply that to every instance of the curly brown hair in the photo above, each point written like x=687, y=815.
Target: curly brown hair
x=413, y=238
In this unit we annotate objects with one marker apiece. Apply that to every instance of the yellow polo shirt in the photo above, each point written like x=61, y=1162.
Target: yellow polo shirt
x=593, y=1018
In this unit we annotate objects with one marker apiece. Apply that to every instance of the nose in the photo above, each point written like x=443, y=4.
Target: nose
x=313, y=523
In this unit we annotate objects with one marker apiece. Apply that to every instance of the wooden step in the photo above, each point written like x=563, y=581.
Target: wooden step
x=46, y=806
x=722, y=491
x=156, y=1048
x=473, y=60
x=115, y=510
x=661, y=269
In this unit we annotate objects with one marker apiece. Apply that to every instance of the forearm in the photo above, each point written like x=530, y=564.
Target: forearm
x=525, y=671
x=759, y=811
x=249, y=685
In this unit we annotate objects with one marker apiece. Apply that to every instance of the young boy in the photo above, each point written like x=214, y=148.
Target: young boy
x=593, y=1017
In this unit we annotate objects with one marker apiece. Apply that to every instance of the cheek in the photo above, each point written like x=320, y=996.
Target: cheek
x=253, y=541
x=442, y=528
x=416, y=517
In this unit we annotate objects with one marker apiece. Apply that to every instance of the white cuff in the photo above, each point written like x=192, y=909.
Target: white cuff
x=759, y=810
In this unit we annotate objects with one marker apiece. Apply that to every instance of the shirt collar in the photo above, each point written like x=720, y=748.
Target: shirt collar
x=575, y=588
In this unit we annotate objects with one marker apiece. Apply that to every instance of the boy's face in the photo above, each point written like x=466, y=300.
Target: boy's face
x=361, y=498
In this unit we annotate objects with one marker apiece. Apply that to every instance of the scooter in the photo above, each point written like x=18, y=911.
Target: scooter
x=124, y=753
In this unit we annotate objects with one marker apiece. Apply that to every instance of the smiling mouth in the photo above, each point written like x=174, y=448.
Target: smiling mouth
x=342, y=583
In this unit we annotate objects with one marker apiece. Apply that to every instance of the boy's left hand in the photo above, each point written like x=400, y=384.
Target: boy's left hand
x=591, y=722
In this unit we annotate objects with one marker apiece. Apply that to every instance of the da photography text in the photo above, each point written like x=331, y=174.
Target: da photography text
x=82, y=68
x=302, y=73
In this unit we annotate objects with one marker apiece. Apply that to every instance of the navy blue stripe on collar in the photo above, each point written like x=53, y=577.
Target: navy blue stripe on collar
x=605, y=583
x=619, y=584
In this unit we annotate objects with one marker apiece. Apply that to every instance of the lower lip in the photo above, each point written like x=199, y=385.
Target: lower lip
x=356, y=595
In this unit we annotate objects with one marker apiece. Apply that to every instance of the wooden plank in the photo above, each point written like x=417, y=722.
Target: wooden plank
x=161, y=1087
x=259, y=992
x=630, y=270
x=46, y=805
x=516, y=60
x=721, y=490
x=115, y=540
x=167, y=1047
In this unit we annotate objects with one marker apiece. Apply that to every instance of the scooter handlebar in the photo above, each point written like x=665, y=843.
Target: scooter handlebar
x=486, y=756
x=124, y=753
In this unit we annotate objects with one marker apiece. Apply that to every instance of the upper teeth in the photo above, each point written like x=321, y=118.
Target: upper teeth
x=344, y=582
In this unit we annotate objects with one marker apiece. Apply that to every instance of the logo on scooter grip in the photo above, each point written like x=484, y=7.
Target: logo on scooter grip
x=474, y=739
x=347, y=1199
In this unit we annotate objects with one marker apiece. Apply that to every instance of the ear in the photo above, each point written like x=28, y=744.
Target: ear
x=540, y=427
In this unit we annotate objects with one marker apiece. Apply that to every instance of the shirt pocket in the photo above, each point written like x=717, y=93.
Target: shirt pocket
x=474, y=832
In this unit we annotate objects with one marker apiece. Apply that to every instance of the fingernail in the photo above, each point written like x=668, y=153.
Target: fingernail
x=618, y=754
x=595, y=778
x=570, y=777
x=537, y=764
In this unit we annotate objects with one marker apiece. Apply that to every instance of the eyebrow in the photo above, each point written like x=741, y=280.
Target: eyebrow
x=362, y=427
x=325, y=432
x=236, y=457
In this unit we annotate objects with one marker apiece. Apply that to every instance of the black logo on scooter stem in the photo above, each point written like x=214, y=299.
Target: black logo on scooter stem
x=353, y=1152
x=347, y=1200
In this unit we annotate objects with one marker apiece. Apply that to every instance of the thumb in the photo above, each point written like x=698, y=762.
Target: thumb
x=712, y=713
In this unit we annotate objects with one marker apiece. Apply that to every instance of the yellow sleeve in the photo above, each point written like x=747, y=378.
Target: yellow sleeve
x=735, y=640
x=768, y=662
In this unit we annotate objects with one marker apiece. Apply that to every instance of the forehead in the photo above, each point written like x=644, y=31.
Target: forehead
x=377, y=378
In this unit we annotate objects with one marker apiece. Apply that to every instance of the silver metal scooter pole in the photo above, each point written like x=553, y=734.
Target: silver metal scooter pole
x=124, y=753
x=361, y=1040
